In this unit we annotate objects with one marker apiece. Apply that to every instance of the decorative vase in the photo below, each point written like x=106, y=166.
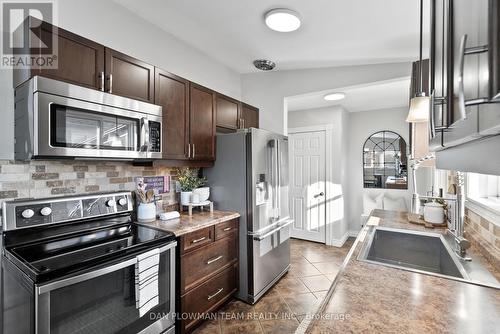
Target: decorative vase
x=146, y=212
x=203, y=192
x=186, y=197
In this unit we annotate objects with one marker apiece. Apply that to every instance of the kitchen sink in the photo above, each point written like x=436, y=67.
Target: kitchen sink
x=422, y=252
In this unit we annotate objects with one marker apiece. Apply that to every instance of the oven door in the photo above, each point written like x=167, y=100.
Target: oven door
x=74, y=128
x=103, y=301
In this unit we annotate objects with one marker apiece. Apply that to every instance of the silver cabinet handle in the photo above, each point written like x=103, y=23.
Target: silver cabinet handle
x=189, y=150
x=432, y=124
x=215, y=259
x=460, y=93
x=195, y=241
x=215, y=294
x=194, y=151
x=101, y=81
x=227, y=229
x=111, y=83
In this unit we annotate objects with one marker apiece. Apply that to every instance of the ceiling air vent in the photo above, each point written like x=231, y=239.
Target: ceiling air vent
x=264, y=65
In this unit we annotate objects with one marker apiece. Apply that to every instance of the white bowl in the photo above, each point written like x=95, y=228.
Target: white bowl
x=203, y=192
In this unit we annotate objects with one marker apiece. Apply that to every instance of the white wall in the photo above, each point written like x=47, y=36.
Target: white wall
x=112, y=25
x=361, y=126
x=336, y=200
x=268, y=91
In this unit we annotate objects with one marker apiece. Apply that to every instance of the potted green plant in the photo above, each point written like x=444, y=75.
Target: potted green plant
x=189, y=180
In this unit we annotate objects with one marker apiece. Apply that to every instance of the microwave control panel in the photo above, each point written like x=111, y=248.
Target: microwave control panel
x=155, y=136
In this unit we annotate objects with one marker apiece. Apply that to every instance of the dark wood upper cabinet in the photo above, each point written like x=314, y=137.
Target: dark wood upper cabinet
x=79, y=61
x=202, y=122
x=129, y=77
x=249, y=117
x=172, y=93
x=228, y=111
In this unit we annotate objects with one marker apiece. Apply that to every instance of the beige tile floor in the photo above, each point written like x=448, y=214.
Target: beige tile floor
x=313, y=268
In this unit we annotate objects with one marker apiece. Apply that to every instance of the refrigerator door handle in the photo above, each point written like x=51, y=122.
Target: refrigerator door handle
x=278, y=179
x=260, y=237
x=274, y=177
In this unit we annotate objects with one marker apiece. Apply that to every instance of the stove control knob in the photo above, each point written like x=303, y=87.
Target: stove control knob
x=111, y=203
x=122, y=201
x=28, y=213
x=46, y=211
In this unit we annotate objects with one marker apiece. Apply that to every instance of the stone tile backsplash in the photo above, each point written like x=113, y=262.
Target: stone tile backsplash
x=484, y=235
x=37, y=179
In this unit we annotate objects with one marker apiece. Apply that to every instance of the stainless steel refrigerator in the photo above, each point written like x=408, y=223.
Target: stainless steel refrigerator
x=250, y=176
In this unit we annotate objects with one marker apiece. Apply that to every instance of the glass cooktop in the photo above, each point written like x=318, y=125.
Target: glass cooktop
x=55, y=252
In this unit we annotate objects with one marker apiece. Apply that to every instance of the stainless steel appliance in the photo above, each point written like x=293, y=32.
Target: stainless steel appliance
x=58, y=119
x=68, y=266
x=250, y=176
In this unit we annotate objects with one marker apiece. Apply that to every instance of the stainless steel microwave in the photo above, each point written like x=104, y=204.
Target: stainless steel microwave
x=57, y=119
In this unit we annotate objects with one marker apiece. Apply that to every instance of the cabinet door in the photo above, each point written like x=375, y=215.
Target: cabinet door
x=172, y=93
x=439, y=66
x=80, y=61
x=249, y=117
x=489, y=70
x=202, y=122
x=227, y=113
x=129, y=77
x=466, y=21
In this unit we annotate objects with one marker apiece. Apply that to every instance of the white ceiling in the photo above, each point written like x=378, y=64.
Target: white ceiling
x=372, y=96
x=333, y=32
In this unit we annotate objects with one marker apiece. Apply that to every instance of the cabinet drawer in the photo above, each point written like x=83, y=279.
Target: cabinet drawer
x=197, y=239
x=226, y=228
x=197, y=266
x=208, y=296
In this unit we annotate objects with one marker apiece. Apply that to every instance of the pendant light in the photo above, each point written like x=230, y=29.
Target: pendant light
x=420, y=103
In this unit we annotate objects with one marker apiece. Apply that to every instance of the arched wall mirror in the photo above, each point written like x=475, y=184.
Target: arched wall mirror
x=385, y=161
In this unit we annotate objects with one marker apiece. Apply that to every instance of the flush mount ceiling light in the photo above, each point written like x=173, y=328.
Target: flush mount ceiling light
x=264, y=64
x=334, y=96
x=282, y=20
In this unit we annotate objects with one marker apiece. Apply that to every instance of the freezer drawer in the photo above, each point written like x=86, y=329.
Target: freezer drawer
x=271, y=259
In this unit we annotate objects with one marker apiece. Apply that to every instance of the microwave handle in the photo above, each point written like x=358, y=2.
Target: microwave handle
x=144, y=135
x=45, y=288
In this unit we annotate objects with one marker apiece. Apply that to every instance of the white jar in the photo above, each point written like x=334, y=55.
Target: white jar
x=146, y=212
x=434, y=213
x=186, y=197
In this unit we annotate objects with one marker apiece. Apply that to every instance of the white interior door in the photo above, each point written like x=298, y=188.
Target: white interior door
x=307, y=185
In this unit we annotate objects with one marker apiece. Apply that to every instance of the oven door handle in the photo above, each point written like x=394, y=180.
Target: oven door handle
x=44, y=288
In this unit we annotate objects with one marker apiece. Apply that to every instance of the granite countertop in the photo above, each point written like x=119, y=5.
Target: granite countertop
x=372, y=298
x=186, y=224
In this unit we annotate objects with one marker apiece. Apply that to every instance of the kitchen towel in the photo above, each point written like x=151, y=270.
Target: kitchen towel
x=146, y=280
x=169, y=215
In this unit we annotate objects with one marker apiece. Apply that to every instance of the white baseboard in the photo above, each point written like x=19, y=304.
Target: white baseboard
x=353, y=233
x=340, y=242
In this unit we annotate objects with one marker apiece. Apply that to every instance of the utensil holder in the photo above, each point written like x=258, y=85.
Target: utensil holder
x=146, y=212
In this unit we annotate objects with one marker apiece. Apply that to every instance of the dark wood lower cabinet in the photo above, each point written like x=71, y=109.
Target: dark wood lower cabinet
x=207, y=272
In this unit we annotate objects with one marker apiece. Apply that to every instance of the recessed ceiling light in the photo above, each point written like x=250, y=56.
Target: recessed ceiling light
x=264, y=64
x=282, y=20
x=334, y=96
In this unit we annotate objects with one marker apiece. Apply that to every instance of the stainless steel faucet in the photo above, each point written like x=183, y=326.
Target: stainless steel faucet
x=458, y=231
x=458, y=225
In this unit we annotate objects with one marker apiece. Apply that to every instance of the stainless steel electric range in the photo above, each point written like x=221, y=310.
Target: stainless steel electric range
x=69, y=267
